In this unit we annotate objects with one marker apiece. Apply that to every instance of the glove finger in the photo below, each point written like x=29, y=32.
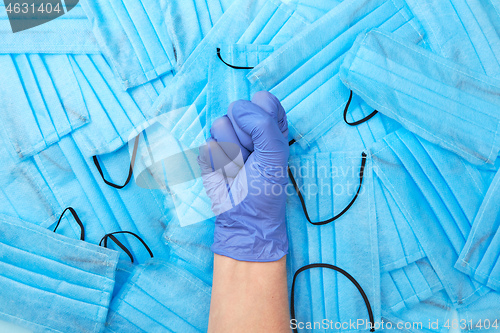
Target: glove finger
x=270, y=103
x=223, y=132
x=213, y=158
x=270, y=146
x=244, y=138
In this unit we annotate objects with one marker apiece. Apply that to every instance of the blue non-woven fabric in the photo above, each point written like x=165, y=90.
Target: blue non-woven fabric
x=312, y=10
x=116, y=115
x=479, y=257
x=52, y=283
x=69, y=33
x=40, y=101
x=303, y=74
x=482, y=315
x=21, y=182
x=328, y=182
x=430, y=315
x=226, y=84
x=398, y=245
x=423, y=91
x=440, y=194
x=74, y=181
x=189, y=21
x=158, y=297
x=408, y=286
x=245, y=22
x=133, y=36
x=468, y=36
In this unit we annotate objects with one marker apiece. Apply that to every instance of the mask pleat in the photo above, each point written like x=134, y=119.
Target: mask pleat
x=441, y=233
x=259, y=22
x=55, y=281
x=94, y=143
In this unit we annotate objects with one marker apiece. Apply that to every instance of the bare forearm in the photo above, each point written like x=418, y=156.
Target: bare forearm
x=249, y=296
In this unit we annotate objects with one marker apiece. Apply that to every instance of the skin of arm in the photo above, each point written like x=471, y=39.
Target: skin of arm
x=249, y=296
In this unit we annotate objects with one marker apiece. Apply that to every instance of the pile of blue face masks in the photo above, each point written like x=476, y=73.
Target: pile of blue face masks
x=393, y=207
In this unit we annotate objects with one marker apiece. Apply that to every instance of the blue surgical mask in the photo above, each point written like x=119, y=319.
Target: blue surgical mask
x=428, y=316
x=482, y=315
x=479, y=256
x=303, y=74
x=258, y=22
x=312, y=10
x=466, y=38
x=41, y=101
x=52, y=282
x=447, y=194
x=133, y=37
x=408, y=286
x=328, y=183
x=188, y=22
x=115, y=114
x=422, y=90
x=74, y=180
x=154, y=299
x=227, y=84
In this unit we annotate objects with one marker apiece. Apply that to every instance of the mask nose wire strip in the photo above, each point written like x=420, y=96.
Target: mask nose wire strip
x=104, y=242
x=132, y=161
x=77, y=219
x=359, y=121
x=235, y=67
x=303, y=203
x=337, y=269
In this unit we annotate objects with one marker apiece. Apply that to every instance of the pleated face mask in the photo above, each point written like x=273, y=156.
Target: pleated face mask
x=245, y=22
x=422, y=91
x=479, y=257
x=40, y=101
x=303, y=74
x=433, y=185
x=115, y=113
x=188, y=22
x=227, y=80
x=467, y=34
x=74, y=180
x=429, y=316
x=408, y=286
x=160, y=297
x=51, y=282
x=125, y=266
x=133, y=36
x=337, y=194
x=481, y=316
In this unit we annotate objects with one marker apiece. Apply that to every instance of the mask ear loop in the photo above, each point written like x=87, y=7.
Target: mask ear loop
x=229, y=65
x=303, y=203
x=359, y=121
x=132, y=162
x=337, y=269
x=77, y=219
x=104, y=242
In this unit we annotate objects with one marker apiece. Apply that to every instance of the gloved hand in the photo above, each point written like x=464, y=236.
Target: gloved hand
x=249, y=199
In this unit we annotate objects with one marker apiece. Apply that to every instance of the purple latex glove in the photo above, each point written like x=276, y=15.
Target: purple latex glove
x=255, y=228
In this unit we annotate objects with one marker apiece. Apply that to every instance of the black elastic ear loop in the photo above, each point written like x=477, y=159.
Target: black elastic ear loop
x=337, y=269
x=77, y=219
x=303, y=203
x=120, y=244
x=359, y=121
x=132, y=161
x=235, y=67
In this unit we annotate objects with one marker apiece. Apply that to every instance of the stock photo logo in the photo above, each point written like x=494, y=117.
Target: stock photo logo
x=202, y=179
x=27, y=14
